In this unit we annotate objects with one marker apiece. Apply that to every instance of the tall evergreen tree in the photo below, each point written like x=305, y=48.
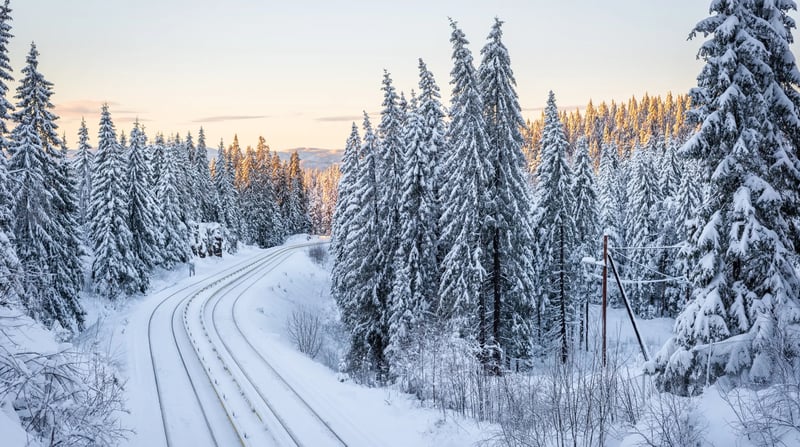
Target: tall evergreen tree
x=556, y=226
x=745, y=286
x=203, y=189
x=44, y=225
x=390, y=163
x=346, y=208
x=415, y=267
x=10, y=269
x=84, y=160
x=226, y=198
x=175, y=232
x=114, y=269
x=645, y=199
x=298, y=197
x=508, y=233
x=464, y=211
x=363, y=313
x=143, y=211
x=586, y=217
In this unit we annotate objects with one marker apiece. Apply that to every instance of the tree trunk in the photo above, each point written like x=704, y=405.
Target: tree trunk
x=497, y=279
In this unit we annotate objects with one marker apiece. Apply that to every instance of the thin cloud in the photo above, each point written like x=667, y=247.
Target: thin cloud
x=222, y=118
x=87, y=107
x=336, y=119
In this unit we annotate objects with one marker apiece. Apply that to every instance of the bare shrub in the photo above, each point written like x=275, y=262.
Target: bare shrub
x=669, y=420
x=304, y=328
x=318, y=254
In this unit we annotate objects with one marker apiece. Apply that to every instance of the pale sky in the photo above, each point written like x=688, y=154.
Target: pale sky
x=298, y=72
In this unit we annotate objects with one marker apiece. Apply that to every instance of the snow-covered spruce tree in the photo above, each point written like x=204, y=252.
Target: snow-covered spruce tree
x=280, y=183
x=556, y=226
x=184, y=178
x=203, y=189
x=298, y=197
x=389, y=177
x=464, y=211
x=346, y=208
x=508, y=234
x=144, y=214
x=226, y=197
x=612, y=204
x=416, y=271
x=433, y=113
x=44, y=227
x=248, y=193
x=114, y=269
x=643, y=230
x=684, y=223
x=270, y=225
x=10, y=269
x=83, y=162
x=745, y=287
x=156, y=158
x=174, y=231
x=363, y=314
x=587, y=225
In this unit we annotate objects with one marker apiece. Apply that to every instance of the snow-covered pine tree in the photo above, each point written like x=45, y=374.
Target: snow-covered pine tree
x=184, y=178
x=45, y=238
x=10, y=269
x=508, y=234
x=203, y=188
x=11, y=287
x=363, y=314
x=269, y=229
x=344, y=219
x=433, y=113
x=226, y=197
x=157, y=159
x=684, y=223
x=248, y=194
x=610, y=187
x=174, y=231
x=644, y=200
x=144, y=214
x=390, y=161
x=464, y=211
x=587, y=221
x=280, y=182
x=745, y=286
x=556, y=226
x=416, y=271
x=114, y=268
x=346, y=208
x=298, y=197
x=83, y=162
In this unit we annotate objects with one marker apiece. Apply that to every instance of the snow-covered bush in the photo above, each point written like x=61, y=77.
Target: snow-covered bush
x=208, y=240
x=61, y=395
x=769, y=414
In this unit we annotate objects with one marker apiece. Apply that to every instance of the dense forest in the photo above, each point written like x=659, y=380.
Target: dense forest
x=465, y=226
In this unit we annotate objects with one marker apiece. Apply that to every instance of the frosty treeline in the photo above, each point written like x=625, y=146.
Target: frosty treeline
x=131, y=205
x=440, y=233
x=623, y=125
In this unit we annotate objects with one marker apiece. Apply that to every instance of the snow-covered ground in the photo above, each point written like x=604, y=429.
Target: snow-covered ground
x=209, y=361
x=208, y=357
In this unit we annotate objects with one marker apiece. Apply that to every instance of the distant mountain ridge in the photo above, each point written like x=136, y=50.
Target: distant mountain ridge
x=310, y=157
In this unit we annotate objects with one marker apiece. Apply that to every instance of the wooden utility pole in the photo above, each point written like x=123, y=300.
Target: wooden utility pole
x=605, y=292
